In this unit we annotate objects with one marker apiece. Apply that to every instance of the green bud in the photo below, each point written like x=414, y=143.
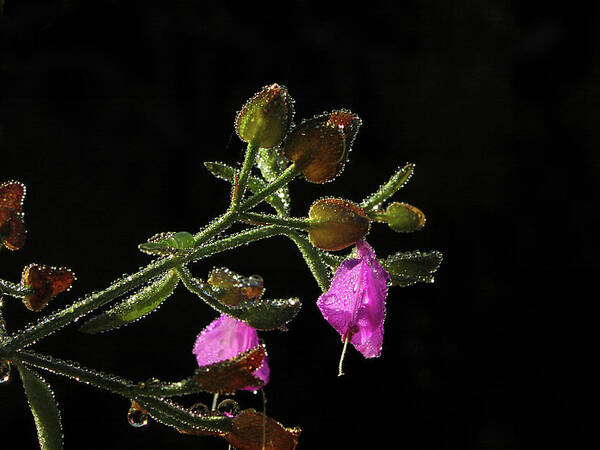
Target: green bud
x=336, y=224
x=266, y=118
x=404, y=218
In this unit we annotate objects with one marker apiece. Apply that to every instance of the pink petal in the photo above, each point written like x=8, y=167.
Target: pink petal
x=355, y=302
x=225, y=338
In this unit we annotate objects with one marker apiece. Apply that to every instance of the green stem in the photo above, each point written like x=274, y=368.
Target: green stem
x=171, y=413
x=312, y=256
x=267, y=219
x=50, y=324
x=13, y=289
x=240, y=190
x=288, y=175
x=201, y=290
x=255, y=184
x=385, y=191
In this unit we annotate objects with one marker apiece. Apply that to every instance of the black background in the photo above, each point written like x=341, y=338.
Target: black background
x=109, y=110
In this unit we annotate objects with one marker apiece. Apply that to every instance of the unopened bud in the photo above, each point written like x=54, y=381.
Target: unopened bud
x=336, y=224
x=265, y=119
x=404, y=218
x=320, y=146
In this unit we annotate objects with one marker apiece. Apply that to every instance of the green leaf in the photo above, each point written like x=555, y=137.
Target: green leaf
x=255, y=184
x=260, y=314
x=171, y=414
x=413, y=267
x=43, y=407
x=267, y=314
x=136, y=306
x=168, y=244
x=385, y=191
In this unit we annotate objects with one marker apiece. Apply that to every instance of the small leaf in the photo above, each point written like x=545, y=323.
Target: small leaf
x=232, y=289
x=268, y=314
x=228, y=376
x=136, y=306
x=250, y=427
x=173, y=415
x=413, y=267
x=168, y=243
x=46, y=282
x=279, y=200
x=44, y=409
x=385, y=191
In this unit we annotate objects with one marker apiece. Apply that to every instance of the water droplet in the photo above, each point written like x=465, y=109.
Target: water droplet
x=4, y=371
x=137, y=418
x=228, y=407
x=200, y=409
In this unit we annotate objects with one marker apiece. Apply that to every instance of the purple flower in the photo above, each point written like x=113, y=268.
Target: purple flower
x=355, y=302
x=225, y=338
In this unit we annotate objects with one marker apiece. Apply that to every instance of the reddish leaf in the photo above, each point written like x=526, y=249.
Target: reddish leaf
x=11, y=195
x=46, y=282
x=232, y=289
x=247, y=433
x=226, y=377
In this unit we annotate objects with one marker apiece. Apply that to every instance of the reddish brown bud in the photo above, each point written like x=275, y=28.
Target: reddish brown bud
x=336, y=224
x=320, y=146
x=45, y=282
x=265, y=119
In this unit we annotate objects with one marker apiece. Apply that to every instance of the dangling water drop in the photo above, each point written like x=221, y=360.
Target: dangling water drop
x=4, y=371
x=200, y=409
x=137, y=418
x=228, y=407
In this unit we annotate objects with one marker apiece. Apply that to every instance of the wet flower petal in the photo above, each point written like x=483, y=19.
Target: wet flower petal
x=355, y=303
x=224, y=339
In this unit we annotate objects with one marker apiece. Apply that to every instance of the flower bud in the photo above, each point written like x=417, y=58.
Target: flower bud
x=336, y=224
x=404, y=218
x=266, y=118
x=320, y=146
x=45, y=282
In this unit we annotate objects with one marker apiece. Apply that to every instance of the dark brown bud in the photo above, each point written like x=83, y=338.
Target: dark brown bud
x=336, y=224
x=265, y=119
x=320, y=146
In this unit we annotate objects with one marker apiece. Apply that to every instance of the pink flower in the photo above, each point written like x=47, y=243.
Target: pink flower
x=225, y=338
x=355, y=302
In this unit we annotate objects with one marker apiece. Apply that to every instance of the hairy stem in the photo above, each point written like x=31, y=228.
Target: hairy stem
x=55, y=321
x=312, y=256
x=165, y=410
x=288, y=175
x=386, y=190
x=267, y=219
x=13, y=289
x=240, y=190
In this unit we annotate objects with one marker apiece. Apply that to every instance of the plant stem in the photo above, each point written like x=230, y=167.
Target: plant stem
x=201, y=290
x=13, y=289
x=312, y=256
x=240, y=190
x=288, y=175
x=385, y=191
x=267, y=219
x=53, y=322
x=168, y=411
